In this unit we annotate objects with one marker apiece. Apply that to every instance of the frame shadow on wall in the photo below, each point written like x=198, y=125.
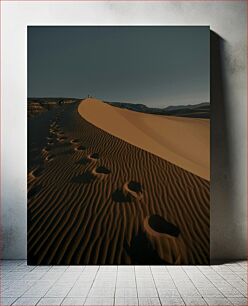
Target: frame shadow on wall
x=222, y=212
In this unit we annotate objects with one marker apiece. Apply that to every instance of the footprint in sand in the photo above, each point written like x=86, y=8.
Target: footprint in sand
x=34, y=191
x=50, y=157
x=75, y=141
x=46, y=149
x=134, y=189
x=85, y=178
x=80, y=148
x=94, y=156
x=165, y=238
x=101, y=170
x=158, y=224
x=120, y=197
x=52, y=133
x=130, y=191
x=61, y=139
x=50, y=143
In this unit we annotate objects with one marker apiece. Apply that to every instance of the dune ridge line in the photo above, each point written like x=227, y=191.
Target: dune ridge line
x=182, y=141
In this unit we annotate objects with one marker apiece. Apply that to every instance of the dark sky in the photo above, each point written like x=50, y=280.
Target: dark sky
x=156, y=66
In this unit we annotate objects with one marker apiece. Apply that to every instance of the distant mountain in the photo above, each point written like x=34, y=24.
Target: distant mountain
x=201, y=110
x=47, y=100
x=37, y=106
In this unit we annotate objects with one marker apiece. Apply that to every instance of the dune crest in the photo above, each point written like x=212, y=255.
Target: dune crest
x=184, y=142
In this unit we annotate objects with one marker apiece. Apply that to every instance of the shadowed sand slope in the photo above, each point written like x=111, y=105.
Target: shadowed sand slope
x=182, y=141
x=94, y=198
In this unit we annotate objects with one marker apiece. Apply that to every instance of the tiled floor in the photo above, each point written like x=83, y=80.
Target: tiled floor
x=123, y=285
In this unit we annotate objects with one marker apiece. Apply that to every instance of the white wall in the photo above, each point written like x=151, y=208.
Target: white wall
x=226, y=18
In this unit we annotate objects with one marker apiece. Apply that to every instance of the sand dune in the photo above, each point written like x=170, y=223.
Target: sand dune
x=184, y=142
x=94, y=198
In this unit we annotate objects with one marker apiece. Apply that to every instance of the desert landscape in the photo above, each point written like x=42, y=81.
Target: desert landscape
x=112, y=185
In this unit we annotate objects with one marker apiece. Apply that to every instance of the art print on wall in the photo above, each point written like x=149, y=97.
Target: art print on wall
x=118, y=145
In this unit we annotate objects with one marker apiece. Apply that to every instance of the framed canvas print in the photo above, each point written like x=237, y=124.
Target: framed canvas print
x=118, y=145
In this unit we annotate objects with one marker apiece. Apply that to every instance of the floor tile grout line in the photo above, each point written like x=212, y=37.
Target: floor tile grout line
x=210, y=282
x=28, y=297
x=44, y=295
x=155, y=285
x=193, y=284
x=15, y=301
x=237, y=273
x=230, y=283
x=136, y=284
x=73, y=285
x=33, y=285
x=38, y=301
x=27, y=290
x=92, y=284
x=176, y=286
x=236, y=304
x=116, y=283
